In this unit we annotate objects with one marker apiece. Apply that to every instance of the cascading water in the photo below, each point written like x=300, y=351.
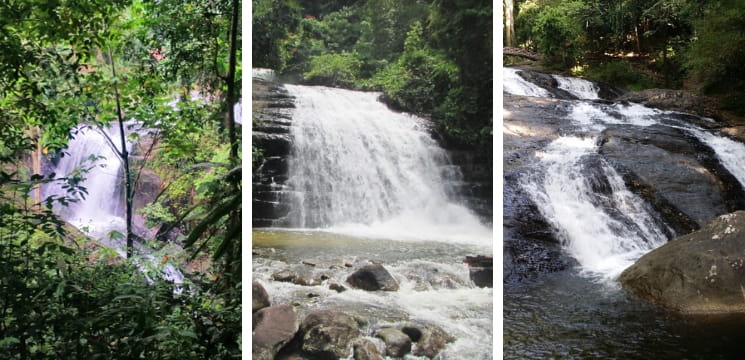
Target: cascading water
x=730, y=152
x=514, y=84
x=567, y=166
x=602, y=224
x=363, y=169
x=101, y=211
x=580, y=88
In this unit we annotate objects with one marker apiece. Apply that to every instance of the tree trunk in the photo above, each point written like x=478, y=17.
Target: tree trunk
x=231, y=84
x=509, y=22
x=124, y=155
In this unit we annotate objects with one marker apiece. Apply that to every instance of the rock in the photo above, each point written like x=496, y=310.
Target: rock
x=481, y=270
x=429, y=339
x=306, y=280
x=702, y=272
x=397, y=344
x=273, y=327
x=284, y=276
x=530, y=245
x=328, y=334
x=364, y=349
x=259, y=297
x=333, y=285
x=679, y=177
x=373, y=277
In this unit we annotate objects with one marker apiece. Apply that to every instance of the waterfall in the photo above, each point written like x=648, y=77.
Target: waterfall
x=601, y=223
x=729, y=152
x=362, y=169
x=516, y=85
x=580, y=88
x=102, y=209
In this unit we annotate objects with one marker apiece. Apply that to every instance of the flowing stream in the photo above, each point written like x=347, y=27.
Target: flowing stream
x=371, y=184
x=604, y=227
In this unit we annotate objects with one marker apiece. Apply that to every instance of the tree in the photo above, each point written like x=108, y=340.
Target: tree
x=509, y=23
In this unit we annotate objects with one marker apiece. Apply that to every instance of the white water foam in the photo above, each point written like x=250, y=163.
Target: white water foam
x=365, y=170
x=100, y=212
x=580, y=88
x=602, y=243
x=731, y=153
x=512, y=83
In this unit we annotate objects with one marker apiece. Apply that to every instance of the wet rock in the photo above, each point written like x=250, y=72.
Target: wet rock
x=260, y=298
x=373, y=277
x=545, y=81
x=364, y=349
x=481, y=270
x=429, y=339
x=273, y=327
x=328, y=334
x=284, y=276
x=313, y=295
x=682, y=179
x=433, y=278
x=530, y=245
x=702, y=272
x=307, y=280
x=333, y=285
x=397, y=344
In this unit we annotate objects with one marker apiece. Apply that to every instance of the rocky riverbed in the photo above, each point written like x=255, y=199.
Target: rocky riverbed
x=319, y=295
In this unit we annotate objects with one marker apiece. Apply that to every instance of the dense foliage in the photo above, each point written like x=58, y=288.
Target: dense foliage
x=431, y=57
x=638, y=44
x=100, y=64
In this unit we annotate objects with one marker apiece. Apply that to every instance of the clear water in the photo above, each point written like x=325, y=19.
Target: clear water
x=565, y=316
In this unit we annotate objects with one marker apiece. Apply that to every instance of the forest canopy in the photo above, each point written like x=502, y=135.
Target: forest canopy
x=693, y=44
x=431, y=57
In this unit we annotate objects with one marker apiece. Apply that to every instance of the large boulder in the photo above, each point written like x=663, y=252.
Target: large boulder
x=273, y=327
x=259, y=297
x=702, y=272
x=328, y=335
x=373, y=277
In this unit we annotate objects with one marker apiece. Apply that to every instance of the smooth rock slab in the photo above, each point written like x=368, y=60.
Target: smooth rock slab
x=273, y=327
x=702, y=272
x=373, y=277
